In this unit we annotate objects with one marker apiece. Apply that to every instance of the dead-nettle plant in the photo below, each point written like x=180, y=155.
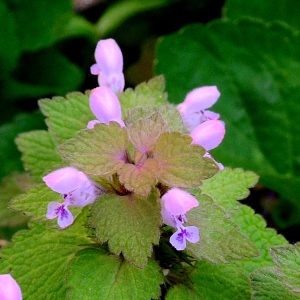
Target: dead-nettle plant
x=128, y=201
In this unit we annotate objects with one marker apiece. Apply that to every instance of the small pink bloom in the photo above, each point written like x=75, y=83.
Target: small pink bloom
x=209, y=134
x=105, y=106
x=178, y=239
x=178, y=202
x=109, y=65
x=9, y=289
x=193, y=108
x=75, y=188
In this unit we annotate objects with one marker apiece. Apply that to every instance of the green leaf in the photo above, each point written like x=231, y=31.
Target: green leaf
x=39, y=153
x=254, y=227
x=10, y=158
x=268, y=286
x=182, y=164
x=10, y=187
x=181, y=292
x=149, y=93
x=66, y=116
x=110, y=277
x=220, y=239
x=287, y=260
x=268, y=10
x=38, y=259
x=228, y=186
x=98, y=151
x=255, y=66
x=35, y=202
x=129, y=223
x=9, y=42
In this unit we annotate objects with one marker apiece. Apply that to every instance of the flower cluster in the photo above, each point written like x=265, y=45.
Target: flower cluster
x=205, y=129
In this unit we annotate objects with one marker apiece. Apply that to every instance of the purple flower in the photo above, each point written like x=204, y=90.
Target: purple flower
x=105, y=106
x=193, y=108
x=9, y=289
x=175, y=203
x=75, y=188
x=109, y=65
x=209, y=134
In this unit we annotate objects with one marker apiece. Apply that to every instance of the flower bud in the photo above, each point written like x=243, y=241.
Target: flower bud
x=9, y=289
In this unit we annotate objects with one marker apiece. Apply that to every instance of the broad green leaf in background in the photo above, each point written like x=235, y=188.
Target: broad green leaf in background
x=39, y=153
x=66, y=116
x=180, y=292
x=40, y=253
x=268, y=10
x=10, y=157
x=256, y=67
x=9, y=42
x=221, y=241
x=110, y=277
x=129, y=223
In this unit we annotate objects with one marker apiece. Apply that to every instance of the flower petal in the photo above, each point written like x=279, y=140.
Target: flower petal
x=64, y=180
x=9, y=289
x=53, y=210
x=168, y=219
x=105, y=105
x=209, y=134
x=177, y=240
x=114, y=81
x=178, y=202
x=65, y=217
x=192, y=234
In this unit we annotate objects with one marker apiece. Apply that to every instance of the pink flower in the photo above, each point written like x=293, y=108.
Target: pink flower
x=209, y=134
x=75, y=188
x=105, y=106
x=193, y=108
x=9, y=289
x=109, y=65
x=175, y=203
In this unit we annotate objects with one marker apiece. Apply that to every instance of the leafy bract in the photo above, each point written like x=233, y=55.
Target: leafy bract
x=228, y=186
x=66, y=116
x=110, y=277
x=39, y=153
x=220, y=239
x=254, y=227
x=182, y=164
x=145, y=94
x=267, y=285
x=255, y=66
x=98, y=151
x=129, y=223
x=268, y=10
x=287, y=260
x=38, y=259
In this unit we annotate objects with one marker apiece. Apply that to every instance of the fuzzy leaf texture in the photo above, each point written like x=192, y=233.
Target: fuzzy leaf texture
x=255, y=66
x=221, y=241
x=151, y=93
x=66, y=116
x=109, y=277
x=129, y=223
x=39, y=153
x=99, y=151
x=38, y=259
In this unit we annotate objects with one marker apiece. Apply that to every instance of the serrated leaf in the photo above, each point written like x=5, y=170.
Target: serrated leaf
x=287, y=260
x=268, y=286
x=139, y=178
x=35, y=202
x=39, y=153
x=220, y=239
x=11, y=186
x=98, y=151
x=129, y=223
x=268, y=10
x=66, y=116
x=255, y=66
x=110, y=277
x=173, y=118
x=254, y=227
x=38, y=259
x=149, y=93
x=182, y=164
x=228, y=186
